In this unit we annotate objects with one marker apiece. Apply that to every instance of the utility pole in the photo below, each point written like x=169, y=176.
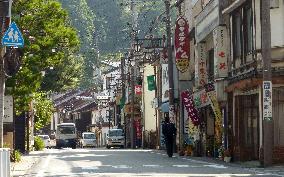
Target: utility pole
x=266, y=56
x=132, y=108
x=4, y=12
x=170, y=61
x=133, y=36
x=2, y=89
x=123, y=94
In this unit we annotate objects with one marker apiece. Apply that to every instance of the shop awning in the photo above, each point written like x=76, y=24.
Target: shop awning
x=164, y=107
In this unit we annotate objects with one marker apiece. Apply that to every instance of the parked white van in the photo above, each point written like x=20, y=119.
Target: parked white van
x=115, y=138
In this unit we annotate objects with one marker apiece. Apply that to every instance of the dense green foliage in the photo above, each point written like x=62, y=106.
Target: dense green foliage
x=113, y=22
x=39, y=144
x=81, y=17
x=50, y=42
x=43, y=108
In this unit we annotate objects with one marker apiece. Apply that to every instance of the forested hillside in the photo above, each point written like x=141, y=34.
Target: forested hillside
x=109, y=22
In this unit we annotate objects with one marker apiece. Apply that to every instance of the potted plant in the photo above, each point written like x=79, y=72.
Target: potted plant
x=227, y=155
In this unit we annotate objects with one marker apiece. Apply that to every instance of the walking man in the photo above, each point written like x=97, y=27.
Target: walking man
x=169, y=132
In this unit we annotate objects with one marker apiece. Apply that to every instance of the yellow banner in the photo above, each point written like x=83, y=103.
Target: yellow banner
x=218, y=115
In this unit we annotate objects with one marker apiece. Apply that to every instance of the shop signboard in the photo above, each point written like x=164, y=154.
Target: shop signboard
x=201, y=65
x=182, y=48
x=267, y=100
x=220, y=39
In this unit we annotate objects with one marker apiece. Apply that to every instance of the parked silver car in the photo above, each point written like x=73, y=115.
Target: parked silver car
x=88, y=139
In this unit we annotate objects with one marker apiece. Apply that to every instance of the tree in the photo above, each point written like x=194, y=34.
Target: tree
x=43, y=108
x=81, y=17
x=50, y=41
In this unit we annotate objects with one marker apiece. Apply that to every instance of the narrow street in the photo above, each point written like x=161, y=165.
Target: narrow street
x=126, y=162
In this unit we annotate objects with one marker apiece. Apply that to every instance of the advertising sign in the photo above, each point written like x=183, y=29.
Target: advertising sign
x=201, y=65
x=220, y=38
x=182, y=48
x=267, y=100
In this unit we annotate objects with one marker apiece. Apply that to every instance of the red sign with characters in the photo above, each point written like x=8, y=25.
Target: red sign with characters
x=138, y=89
x=182, y=48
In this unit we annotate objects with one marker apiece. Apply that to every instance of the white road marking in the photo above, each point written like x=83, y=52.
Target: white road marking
x=215, y=166
x=152, y=166
x=121, y=166
x=90, y=168
x=181, y=166
x=45, y=165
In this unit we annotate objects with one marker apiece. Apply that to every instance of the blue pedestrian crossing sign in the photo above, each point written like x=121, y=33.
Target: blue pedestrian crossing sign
x=13, y=37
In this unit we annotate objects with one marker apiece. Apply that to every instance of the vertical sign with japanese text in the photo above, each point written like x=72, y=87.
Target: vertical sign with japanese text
x=201, y=65
x=267, y=100
x=165, y=83
x=182, y=48
x=220, y=37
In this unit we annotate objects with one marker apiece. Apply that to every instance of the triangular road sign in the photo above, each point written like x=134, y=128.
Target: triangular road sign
x=13, y=37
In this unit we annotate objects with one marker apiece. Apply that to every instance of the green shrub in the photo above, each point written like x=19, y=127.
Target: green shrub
x=39, y=144
x=15, y=156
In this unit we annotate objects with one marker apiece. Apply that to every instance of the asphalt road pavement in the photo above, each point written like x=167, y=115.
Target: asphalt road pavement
x=126, y=162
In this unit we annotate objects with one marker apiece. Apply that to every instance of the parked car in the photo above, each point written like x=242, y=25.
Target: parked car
x=46, y=140
x=115, y=138
x=88, y=139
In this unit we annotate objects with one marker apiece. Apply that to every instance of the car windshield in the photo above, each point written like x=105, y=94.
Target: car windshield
x=67, y=130
x=89, y=136
x=115, y=133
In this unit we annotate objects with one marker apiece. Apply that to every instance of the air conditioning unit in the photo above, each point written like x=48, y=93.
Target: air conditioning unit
x=274, y=4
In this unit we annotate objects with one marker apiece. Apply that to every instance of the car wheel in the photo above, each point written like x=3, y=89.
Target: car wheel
x=108, y=146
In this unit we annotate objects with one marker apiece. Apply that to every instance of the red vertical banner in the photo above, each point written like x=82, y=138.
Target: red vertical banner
x=188, y=103
x=182, y=48
x=137, y=126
